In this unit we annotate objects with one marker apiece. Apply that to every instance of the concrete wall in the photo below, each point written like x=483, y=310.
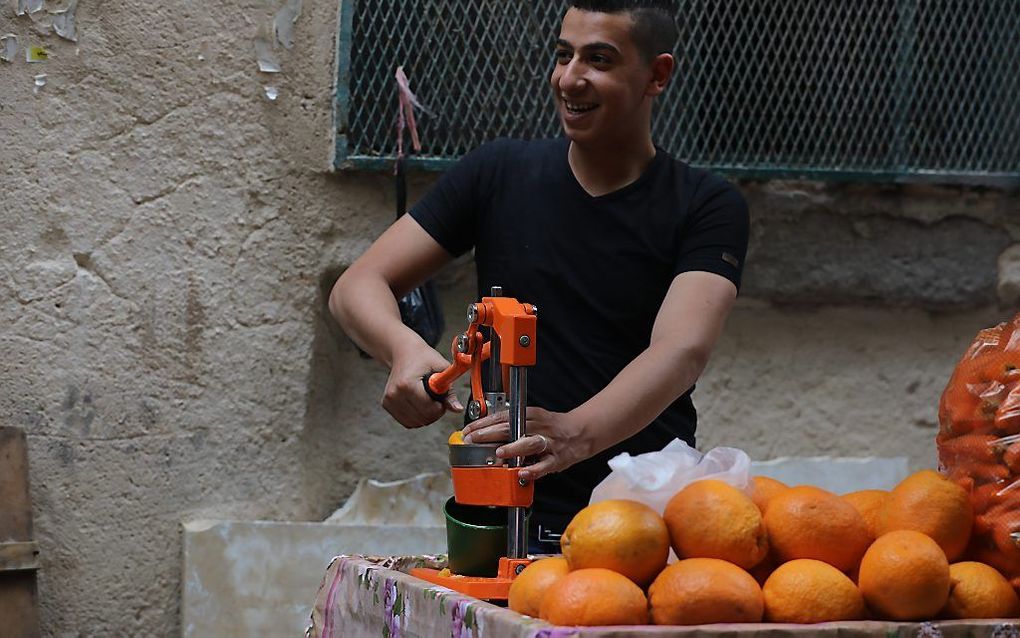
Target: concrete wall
x=168, y=234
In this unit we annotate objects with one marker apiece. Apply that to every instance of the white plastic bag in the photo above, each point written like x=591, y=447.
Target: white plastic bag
x=654, y=478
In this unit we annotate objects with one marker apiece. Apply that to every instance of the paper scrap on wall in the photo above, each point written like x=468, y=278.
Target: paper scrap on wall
x=283, y=23
x=8, y=47
x=36, y=53
x=264, y=53
x=40, y=82
x=272, y=93
x=63, y=22
x=29, y=6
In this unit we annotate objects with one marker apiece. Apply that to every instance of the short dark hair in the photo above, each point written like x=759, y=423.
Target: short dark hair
x=654, y=29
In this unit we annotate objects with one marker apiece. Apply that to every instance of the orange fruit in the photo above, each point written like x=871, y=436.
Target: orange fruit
x=810, y=591
x=456, y=438
x=905, y=576
x=699, y=591
x=594, y=596
x=929, y=503
x=809, y=522
x=977, y=590
x=625, y=536
x=713, y=519
x=529, y=588
x=763, y=488
x=869, y=504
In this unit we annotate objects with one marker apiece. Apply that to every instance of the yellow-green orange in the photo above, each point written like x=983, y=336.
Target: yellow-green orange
x=763, y=488
x=810, y=591
x=904, y=575
x=809, y=522
x=869, y=504
x=700, y=591
x=712, y=519
x=594, y=597
x=530, y=586
x=625, y=536
x=929, y=503
x=979, y=591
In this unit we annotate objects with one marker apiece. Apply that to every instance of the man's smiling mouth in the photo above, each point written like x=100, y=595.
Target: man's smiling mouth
x=578, y=108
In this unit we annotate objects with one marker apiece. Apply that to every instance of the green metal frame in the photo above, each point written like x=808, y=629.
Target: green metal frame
x=342, y=90
x=344, y=160
x=995, y=180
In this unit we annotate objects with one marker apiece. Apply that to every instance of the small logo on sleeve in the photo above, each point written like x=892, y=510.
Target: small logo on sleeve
x=731, y=260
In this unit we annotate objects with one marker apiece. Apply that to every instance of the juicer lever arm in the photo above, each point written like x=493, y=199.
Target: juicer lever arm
x=514, y=325
x=467, y=355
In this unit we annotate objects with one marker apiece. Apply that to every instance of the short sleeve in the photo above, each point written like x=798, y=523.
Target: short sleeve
x=449, y=210
x=714, y=237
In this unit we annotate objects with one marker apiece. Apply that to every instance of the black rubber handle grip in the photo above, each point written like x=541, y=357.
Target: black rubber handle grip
x=428, y=390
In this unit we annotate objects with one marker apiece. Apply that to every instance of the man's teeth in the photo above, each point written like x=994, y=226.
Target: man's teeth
x=579, y=108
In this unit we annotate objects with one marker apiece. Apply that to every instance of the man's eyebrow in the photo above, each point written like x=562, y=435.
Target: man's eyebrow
x=591, y=46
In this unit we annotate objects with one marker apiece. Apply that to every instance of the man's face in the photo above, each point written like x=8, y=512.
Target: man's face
x=600, y=78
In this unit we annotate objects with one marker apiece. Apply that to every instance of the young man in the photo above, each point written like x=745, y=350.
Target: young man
x=633, y=258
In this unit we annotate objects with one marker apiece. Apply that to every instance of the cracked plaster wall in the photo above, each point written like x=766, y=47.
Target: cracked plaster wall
x=167, y=238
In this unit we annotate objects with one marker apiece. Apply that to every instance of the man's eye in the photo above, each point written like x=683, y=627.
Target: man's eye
x=599, y=59
x=563, y=56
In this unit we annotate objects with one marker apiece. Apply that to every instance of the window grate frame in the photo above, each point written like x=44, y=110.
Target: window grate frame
x=913, y=109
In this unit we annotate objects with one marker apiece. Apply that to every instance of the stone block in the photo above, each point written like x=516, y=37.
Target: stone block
x=259, y=578
x=1008, y=288
x=819, y=256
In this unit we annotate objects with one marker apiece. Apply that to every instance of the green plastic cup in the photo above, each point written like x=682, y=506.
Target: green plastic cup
x=476, y=537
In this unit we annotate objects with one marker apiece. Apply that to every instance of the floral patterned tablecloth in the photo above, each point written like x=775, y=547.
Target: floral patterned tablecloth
x=365, y=596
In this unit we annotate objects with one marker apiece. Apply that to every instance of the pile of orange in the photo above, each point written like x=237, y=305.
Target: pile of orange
x=611, y=551
x=772, y=553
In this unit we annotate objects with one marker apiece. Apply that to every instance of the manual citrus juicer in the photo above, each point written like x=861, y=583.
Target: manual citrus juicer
x=482, y=483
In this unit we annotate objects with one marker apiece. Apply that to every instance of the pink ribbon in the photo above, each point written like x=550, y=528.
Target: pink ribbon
x=405, y=114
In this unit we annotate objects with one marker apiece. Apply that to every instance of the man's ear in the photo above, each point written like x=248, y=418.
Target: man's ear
x=662, y=71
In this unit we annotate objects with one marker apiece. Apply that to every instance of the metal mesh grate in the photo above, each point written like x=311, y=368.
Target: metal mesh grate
x=877, y=90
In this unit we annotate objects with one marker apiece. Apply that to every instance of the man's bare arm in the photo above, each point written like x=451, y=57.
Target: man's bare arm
x=686, y=330
x=364, y=302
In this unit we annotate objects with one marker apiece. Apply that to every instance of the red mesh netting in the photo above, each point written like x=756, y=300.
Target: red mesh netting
x=979, y=442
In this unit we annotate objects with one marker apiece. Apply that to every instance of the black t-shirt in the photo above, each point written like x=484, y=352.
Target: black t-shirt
x=598, y=268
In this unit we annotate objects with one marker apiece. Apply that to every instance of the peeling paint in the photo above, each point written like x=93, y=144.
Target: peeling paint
x=283, y=23
x=42, y=25
x=264, y=53
x=63, y=22
x=279, y=33
x=29, y=7
x=42, y=22
x=8, y=47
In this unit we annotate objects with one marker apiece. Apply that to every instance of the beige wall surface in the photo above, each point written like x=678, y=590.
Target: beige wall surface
x=168, y=234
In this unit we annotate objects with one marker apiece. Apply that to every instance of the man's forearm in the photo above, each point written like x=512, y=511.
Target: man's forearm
x=366, y=309
x=688, y=325
x=638, y=394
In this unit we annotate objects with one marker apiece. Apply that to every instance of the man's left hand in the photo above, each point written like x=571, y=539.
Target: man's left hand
x=555, y=439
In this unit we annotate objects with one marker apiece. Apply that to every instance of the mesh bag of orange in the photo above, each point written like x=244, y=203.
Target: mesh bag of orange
x=979, y=442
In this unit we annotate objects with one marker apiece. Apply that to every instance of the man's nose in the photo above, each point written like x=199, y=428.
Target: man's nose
x=571, y=77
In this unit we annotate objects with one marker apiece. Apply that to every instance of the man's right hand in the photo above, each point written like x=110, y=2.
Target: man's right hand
x=405, y=397
x=364, y=301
